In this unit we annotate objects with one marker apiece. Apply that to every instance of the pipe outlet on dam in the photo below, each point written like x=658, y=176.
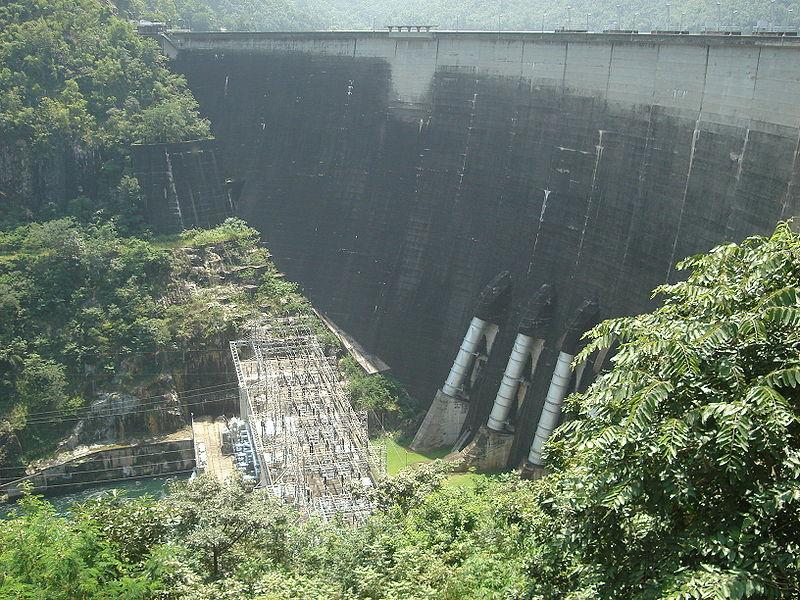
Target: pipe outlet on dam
x=560, y=382
x=393, y=176
x=445, y=418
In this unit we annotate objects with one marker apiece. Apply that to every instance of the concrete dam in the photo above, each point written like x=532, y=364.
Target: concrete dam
x=394, y=174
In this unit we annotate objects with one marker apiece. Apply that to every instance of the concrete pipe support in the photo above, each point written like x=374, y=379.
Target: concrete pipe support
x=465, y=357
x=507, y=393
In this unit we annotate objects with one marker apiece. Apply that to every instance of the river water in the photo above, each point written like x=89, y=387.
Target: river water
x=131, y=489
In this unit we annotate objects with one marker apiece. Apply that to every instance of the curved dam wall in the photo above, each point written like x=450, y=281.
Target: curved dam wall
x=393, y=175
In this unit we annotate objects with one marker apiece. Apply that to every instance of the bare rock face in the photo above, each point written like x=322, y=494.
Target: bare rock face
x=32, y=181
x=114, y=417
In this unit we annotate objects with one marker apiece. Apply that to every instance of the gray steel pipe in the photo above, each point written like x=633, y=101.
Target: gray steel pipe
x=551, y=412
x=465, y=357
x=509, y=385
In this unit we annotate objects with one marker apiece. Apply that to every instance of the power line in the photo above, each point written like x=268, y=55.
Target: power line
x=67, y=417
x=185, y=394
x=153, y=401
x=159, y=396
x=94, y=483
x=146, y=407
x=90, y=458
x=102, y=415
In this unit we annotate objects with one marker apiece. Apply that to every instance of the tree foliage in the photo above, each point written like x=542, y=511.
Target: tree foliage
x=77, y=83
x=680, y=477
x=72, y=70
x=448, y=542
x=88, y=311
x=381, y=394
x=44, y=556
x=131, y=526
x=221, y=524
x=237, y=15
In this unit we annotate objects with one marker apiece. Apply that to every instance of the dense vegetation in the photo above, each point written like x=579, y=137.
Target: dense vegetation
x=84, y=310
x=237, y=15
x=679, y=479
x=254, y=15
x=77, y=87
x=382, y=395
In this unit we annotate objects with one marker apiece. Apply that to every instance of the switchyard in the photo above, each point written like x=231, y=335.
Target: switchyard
x=312, y=447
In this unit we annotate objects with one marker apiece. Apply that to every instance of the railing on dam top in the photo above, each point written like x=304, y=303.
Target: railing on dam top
x=183, y=40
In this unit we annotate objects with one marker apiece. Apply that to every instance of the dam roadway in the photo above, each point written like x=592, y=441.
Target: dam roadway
x=394, y=174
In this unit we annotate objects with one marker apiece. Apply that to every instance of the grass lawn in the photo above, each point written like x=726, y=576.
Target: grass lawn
x=195, y=238
x=398, y=456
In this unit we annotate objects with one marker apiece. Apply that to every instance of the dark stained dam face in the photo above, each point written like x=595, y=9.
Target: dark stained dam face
x=394, y=176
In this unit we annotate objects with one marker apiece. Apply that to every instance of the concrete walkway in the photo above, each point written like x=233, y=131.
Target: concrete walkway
x=206, y=436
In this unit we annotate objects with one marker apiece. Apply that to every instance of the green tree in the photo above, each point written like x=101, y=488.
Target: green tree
x=47, y=557
x=223, y=522
x=410, y=488
x=681, y=476
x=77, y=87
x=41, y=383
x=382, y=394
x=133, y=527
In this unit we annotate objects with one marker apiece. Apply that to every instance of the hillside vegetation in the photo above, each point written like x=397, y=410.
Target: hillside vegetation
x=89, y=314
x=77, y=87
x=678, y=479
x=276, y=15
x=85, y=312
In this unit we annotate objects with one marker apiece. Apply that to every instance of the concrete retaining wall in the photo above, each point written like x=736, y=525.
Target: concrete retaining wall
x=181, y=185
x=117, y=464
